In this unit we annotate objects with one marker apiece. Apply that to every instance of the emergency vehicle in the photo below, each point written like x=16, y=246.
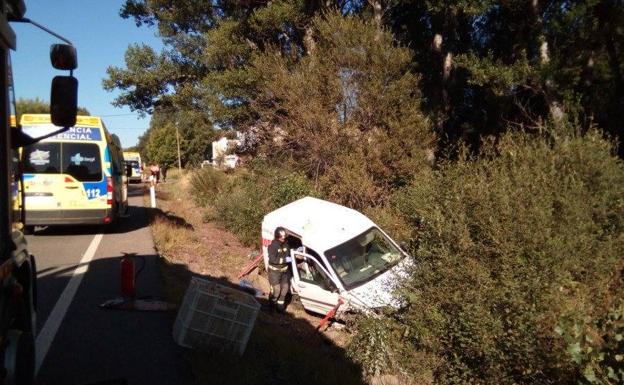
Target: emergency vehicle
x=73, y=178
x=133, y=159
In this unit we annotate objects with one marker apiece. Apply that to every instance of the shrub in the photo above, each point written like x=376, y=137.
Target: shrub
x=512, y=245
x=597, y=348
x=249, y=195
x=206, y=184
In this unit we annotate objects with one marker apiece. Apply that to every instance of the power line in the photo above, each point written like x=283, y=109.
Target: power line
x=113, y=115
x=129, y=128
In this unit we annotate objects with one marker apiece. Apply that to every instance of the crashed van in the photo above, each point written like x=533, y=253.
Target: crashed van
x=337, y=254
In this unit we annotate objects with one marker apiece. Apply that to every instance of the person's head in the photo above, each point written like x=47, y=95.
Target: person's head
x=280, y=234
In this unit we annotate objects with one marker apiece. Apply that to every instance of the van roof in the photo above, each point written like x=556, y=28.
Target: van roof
x=321, y=224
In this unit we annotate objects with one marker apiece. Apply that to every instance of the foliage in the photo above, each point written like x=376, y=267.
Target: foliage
x=347, y=114
x=161, y=147
x=206, y=184
x=159, y=143
x=241, y=201
x=511, y=244
x=38, y=106
x=508, y=61
x=597, y=348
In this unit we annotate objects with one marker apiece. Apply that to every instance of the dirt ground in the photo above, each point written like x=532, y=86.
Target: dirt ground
x=190, y=246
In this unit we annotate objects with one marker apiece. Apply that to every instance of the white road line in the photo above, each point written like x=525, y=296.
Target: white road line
x=48, y=332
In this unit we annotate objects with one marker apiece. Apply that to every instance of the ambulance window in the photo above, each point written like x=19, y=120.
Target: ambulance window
x=42, y=158
x=82, y=161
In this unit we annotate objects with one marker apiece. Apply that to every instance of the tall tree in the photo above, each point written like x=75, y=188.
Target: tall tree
x=348, y=114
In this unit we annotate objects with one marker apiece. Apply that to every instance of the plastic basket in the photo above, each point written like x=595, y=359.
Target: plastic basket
x=214, y=317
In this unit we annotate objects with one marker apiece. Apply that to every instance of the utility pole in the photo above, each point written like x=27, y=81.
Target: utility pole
x=178, y=142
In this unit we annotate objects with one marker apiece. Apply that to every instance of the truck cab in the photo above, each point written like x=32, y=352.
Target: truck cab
x=18, y=292
x=337, y=254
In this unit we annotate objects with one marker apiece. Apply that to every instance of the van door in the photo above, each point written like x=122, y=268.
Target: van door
x=317, y=291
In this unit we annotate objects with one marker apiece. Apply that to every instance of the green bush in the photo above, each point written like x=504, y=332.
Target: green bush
x=244, y=197
x=597, y=348
x=511, y=245
x=206, y=184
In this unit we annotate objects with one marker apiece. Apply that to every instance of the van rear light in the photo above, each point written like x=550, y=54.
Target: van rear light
x=109, y=191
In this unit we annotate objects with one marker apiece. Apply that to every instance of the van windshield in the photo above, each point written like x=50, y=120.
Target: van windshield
x=364, y=257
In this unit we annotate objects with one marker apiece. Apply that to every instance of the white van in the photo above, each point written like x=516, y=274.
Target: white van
x=338, y=253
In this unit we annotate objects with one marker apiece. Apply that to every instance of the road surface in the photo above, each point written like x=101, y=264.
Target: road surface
x=79, y=343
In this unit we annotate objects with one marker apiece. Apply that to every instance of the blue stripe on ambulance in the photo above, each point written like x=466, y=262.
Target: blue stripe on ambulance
x=95, y=190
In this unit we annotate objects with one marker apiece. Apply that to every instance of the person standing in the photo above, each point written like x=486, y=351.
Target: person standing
x=279, y=269
x=155, y=173
x=163, y=171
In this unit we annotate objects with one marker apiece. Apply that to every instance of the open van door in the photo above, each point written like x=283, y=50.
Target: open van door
x=317, y=291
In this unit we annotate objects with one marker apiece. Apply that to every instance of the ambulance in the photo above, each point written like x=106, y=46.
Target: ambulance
x=77, y=177
x=133, y=159
x=338, y=254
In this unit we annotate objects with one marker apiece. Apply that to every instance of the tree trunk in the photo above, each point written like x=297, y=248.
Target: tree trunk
x=308, y=40
x=377, y=15
x=555, y=108
x=446, y=60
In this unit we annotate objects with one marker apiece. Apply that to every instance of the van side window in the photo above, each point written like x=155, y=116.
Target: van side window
x=310, y=272
x=293, y=242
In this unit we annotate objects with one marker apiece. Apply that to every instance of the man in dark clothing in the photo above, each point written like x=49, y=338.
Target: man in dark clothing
x=279, y=269
x=163, y=171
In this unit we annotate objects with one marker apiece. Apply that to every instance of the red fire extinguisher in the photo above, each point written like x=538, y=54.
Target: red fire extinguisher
x=128, y=275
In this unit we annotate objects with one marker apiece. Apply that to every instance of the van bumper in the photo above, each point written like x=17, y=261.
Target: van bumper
x=68, y=217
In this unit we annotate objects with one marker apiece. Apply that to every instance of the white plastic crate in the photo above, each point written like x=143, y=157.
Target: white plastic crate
x=215, y=318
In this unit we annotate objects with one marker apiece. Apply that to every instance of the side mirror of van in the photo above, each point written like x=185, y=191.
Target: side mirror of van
x=64, y=101
x=128, y=170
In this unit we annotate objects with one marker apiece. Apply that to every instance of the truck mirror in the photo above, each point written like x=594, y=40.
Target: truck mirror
x=64, y=101
x=63, y=57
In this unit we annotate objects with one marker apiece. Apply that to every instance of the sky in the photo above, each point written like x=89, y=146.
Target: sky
x=100, y=36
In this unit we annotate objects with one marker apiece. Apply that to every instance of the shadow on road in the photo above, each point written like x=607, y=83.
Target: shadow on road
x=96, y=345
x=120, y=226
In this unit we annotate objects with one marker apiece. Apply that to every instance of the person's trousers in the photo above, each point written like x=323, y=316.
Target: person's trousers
x=280, y=285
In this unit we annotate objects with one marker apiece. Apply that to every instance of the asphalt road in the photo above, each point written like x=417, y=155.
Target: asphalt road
x=80, y=343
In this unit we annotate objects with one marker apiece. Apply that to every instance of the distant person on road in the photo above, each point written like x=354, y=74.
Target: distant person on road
x=279, y=269
x=163, y=172
x=154, y=173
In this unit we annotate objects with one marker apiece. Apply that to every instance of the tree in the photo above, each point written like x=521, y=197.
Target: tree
x=38, y=106
x=161, y=147
x=349, y=105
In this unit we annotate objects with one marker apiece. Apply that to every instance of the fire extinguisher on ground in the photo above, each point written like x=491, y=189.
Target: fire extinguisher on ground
x=129, y=274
